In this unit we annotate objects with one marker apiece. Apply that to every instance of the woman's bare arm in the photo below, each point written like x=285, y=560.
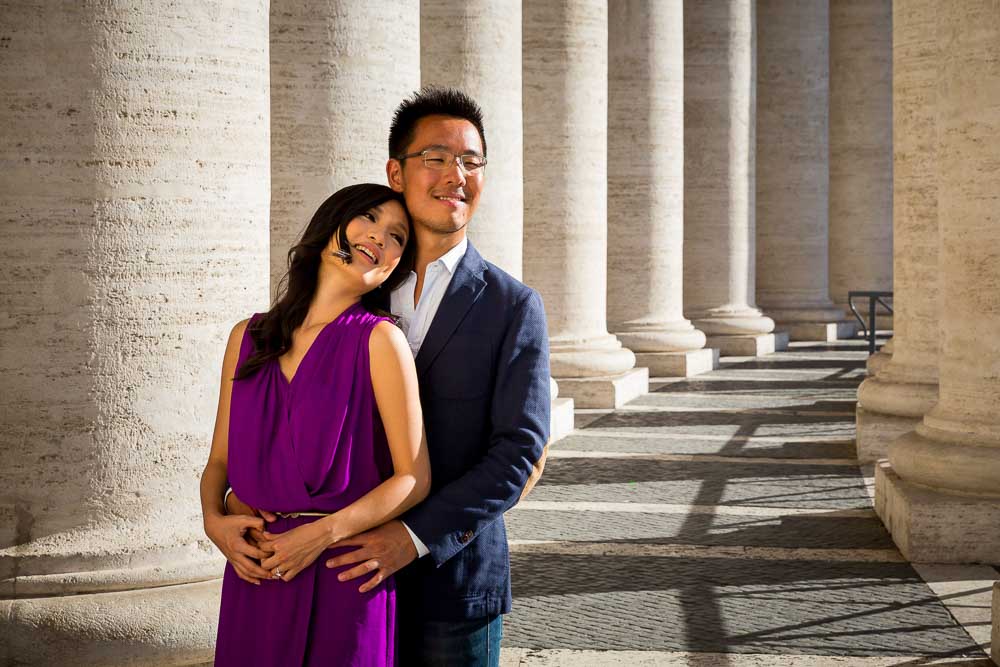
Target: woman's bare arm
x=227, y=532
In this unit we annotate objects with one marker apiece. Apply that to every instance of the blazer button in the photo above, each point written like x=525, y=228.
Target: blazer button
x=466, y=536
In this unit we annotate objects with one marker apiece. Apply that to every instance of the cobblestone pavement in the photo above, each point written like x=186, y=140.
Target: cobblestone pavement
x=722, y=520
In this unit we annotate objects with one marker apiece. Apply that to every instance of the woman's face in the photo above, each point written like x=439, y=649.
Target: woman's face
x=377, y=239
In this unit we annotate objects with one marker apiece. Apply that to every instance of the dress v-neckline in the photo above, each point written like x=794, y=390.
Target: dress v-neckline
x=305, y=356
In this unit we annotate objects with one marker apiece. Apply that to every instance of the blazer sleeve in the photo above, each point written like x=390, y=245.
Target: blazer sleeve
x=453, y=515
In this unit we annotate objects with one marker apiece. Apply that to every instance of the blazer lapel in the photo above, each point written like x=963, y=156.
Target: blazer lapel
x=463, y=290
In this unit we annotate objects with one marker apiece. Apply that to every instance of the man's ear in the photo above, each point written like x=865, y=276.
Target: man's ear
x=394, y=174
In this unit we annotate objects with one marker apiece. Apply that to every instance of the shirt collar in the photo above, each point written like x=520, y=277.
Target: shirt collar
x=451, y=258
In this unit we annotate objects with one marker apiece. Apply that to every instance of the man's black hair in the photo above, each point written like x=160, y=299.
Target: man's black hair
x=432, y=101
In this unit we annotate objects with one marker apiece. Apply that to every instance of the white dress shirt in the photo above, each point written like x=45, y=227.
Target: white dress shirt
x=416, y=320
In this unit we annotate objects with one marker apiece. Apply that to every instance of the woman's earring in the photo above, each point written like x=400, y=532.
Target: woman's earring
x=342, y=255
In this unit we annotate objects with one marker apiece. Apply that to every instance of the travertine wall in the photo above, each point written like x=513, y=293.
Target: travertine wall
x=135, y=224
x=475, y=45
x=338, y=70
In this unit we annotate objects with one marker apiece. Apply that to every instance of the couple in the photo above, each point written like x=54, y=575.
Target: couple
x=368, y=460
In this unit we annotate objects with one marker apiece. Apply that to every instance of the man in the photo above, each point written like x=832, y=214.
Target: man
x=481, y=347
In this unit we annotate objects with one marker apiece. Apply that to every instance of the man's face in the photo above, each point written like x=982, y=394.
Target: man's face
x=440, y=201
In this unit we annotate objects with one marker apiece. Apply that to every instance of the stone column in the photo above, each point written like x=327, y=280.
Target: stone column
x=939, y=496
x=720, y=80
x=793, y=77
x=134, y=213
x=904, y=388
x=877, y=361
x=646, y=189
x=486, y=63
x=476, y=46
x=339, y=68
x=565, y=197
x=860, y=149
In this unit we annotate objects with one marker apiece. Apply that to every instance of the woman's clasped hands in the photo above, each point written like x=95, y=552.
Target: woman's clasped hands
x=230, y=534
x=294, y=550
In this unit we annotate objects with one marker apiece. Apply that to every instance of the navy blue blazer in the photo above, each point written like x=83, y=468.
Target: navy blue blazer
x=483, y=370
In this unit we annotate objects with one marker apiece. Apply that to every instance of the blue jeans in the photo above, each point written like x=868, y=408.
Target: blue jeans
x=476, y=643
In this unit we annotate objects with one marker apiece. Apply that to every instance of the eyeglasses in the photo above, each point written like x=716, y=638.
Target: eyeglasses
x=439, y=160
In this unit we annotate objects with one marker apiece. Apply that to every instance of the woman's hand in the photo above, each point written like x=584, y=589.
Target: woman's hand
x=228, y=533
x=294, y=550
x=255, y=536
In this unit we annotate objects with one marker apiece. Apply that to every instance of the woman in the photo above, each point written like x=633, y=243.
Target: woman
x=319, y=421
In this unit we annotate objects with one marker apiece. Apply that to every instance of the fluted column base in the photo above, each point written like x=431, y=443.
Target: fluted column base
x=813, y=323
x=596, y=372
x=931, y=526
x=878, y=361
x=668, y=349
x=742, y=332
x=168, y=625
x=732, y=322
x=888, y=409
x=668, y=337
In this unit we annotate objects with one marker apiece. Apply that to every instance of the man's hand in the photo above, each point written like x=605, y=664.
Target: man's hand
x=255, y=536
x=383, y=550
x=229, y=535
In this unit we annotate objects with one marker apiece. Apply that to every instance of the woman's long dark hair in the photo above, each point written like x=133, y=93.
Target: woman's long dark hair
x=272, y=333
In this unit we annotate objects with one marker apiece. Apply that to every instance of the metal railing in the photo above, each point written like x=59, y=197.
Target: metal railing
x=875, y=298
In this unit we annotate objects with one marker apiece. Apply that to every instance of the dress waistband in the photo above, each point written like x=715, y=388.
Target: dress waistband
x=296, y=515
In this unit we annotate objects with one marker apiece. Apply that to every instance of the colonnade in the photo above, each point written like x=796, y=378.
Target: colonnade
x=655, y=172
x=934, y=407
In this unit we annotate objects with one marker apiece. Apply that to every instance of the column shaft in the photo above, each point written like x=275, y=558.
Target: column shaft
x=905, y=388
x=565, y=196
x=486, y=64
x=792, y=185
x=339, y=68
x=476, y=46
x=135, y=221
x=646, y=188
x=720, y=79
x=940, y=496
x=860, y=147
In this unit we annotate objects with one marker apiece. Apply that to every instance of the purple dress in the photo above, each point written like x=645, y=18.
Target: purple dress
x=313, y=444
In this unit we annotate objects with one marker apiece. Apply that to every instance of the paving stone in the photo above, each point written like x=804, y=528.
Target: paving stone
x=735, y=606
x=692, y=444
x=855, y=375
x=836, y=400
x=814, y=532
x=748, y=386
x=751, y=484
x=782, y=607
x=733, y=423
